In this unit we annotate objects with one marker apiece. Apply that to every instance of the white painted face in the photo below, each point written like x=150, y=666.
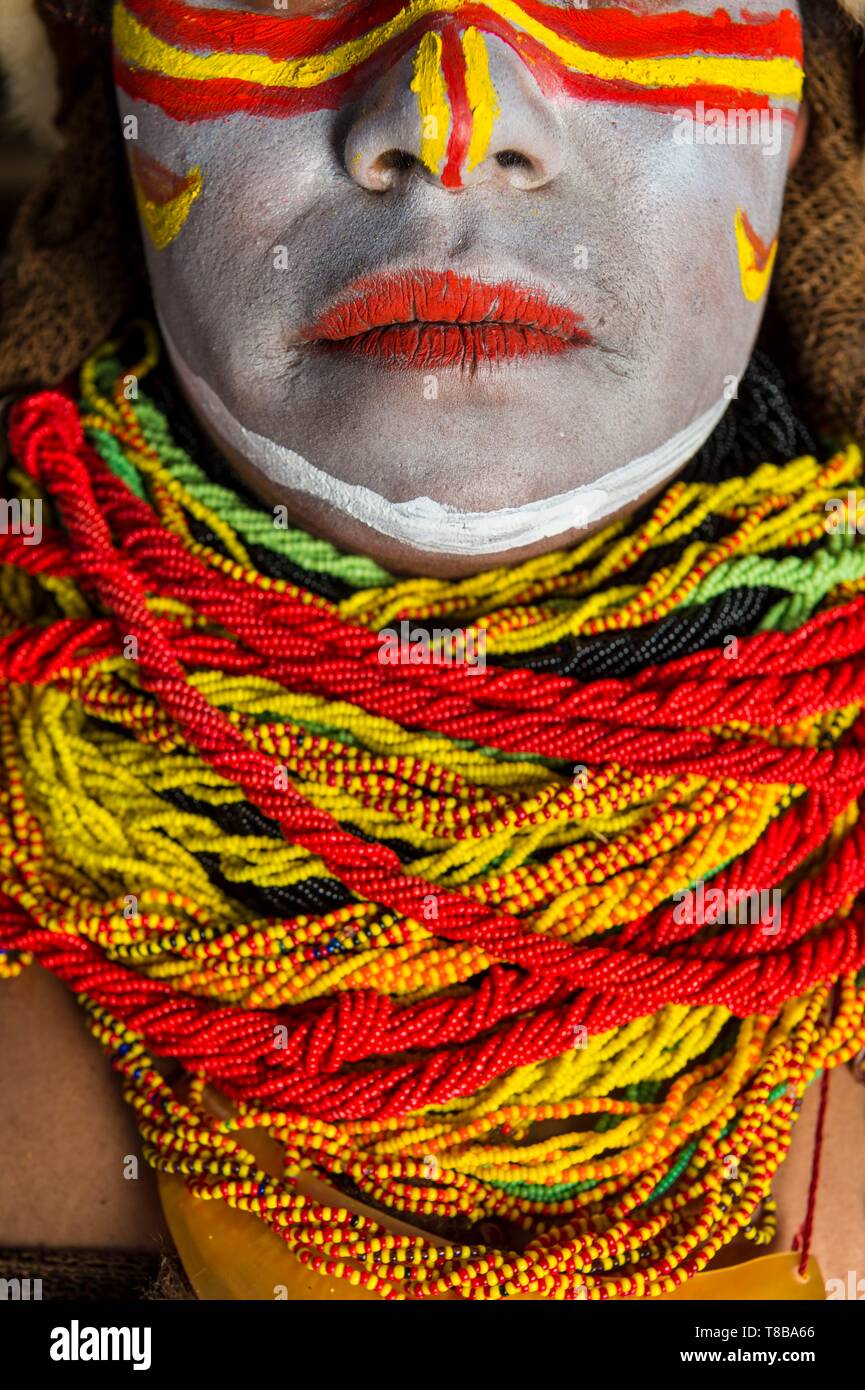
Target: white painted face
x=454, y=280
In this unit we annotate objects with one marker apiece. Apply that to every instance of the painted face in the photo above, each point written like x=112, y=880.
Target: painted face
x=457, y=280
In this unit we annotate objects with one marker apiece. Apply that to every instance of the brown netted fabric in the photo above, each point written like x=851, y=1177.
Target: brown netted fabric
x=819, y=286
x=73, y=260
x=73, y=263
x=94, y=1275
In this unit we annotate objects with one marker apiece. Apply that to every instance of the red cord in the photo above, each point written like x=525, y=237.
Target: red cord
x=803, y=1239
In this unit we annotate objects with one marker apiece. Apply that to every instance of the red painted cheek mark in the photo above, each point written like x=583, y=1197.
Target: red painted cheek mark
x=756, y=258
x=157, y=182
x=762, y=249
x=164, y=198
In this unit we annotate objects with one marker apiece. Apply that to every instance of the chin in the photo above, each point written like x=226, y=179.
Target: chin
x=398, y=556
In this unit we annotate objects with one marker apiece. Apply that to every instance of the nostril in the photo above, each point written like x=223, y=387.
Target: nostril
x=396, y=160
x=512, y=159
x=381, y=171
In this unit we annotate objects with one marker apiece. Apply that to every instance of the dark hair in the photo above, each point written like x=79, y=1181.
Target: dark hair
x=93, y=16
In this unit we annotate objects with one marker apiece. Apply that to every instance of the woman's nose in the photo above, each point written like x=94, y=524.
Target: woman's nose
x=462, y=109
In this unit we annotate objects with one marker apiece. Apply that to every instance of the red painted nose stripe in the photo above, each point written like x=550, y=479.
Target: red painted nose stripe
x=454, y=69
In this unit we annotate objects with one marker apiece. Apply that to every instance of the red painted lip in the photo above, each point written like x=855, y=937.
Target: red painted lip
x=428, y=319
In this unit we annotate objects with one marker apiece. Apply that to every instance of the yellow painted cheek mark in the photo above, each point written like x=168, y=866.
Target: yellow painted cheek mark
x=481, y=94
x=428, y=83
x=756, y=260
x=163, y=221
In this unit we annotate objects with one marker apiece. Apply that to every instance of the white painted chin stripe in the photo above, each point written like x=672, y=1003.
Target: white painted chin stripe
x=431, y=526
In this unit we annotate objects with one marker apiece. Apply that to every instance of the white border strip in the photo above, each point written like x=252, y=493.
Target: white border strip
x=433, y=526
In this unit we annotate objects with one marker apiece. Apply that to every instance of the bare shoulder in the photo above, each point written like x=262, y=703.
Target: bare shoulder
x=839, y=1225
x=67, y=1133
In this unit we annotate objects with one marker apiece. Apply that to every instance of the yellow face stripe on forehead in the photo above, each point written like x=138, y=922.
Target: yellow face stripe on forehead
x=778, y=77
x=189, y=62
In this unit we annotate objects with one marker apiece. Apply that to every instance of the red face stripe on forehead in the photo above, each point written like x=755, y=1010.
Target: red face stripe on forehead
x=623, y=34
x=612, y=30
x=218, y=97
x=223, y=98
x=223, y=31
x=552, y=76
x=203, y=64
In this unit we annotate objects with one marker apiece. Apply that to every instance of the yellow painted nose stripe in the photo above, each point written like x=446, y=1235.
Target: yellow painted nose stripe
x=481, y=94
x=429, y=85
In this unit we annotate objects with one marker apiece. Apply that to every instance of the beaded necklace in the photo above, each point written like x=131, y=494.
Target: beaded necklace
x=424, y=924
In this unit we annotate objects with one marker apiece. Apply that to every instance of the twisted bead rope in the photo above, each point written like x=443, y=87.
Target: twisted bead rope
x=382, y=910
